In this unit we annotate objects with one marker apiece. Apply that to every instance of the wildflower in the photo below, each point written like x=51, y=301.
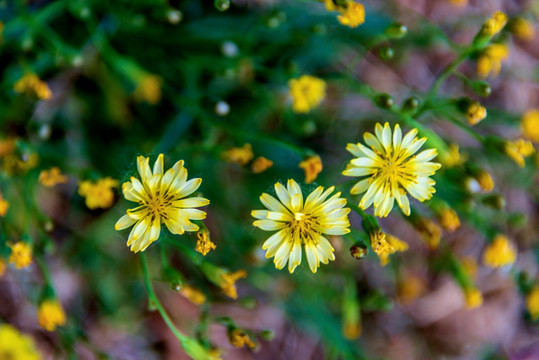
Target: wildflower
x=21, y=254
x=261, y=164
x=391, y=169
x=358, y=250
x=395, y=244
x=475, y=113
x=459, y=3
x=499, y=253
x=353, y=16
x=495, y=24
x=98, y=194
x=52, y=177
x=31, y=85
x=332, y=5
x=204, y=243
x=449, y=220
x=194, y=295
x=300, y=222
x=523, y=29
x=379, y=243
x=15, y=345
x=490, y=60
x=430, y=232
x=228, y=282
x=518, y=150
x=410, y=288
x=312, y=167
x=239, y=339
x=148, y=89
x=50, y=315
x=240, y=155
x=453, y=157
x=532, y=302
x=14, y=163
x=530, y=125
x=4, y=206
x=469, y=264
x=484, y=179
x=7, y=147
x=163, y=199
x=473, y=297
x=306, y=92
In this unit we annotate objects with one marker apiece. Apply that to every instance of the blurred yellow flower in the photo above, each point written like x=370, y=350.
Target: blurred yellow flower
x=469, y=264
x=473, y=297
x=490, y=60
x=495, y=24
x=6, y=147
x=148, y=89
x=4, y=206
x=192, y=294
x=300, y=223
x=307, y=92
x=459, y=3
x=453, y=157
x=240, y=155
x=204, y=244
x=523, y=29
x=430, y=232
x=52, y=177
x=15, y=345
x=3, y=267
x=391, y=169
x=228, y=282
x=98, y=194
x=162, y=199
x=21, y=254
x=50, y=314
x=379, y=243
x=352, y=330
x=331, y=5
x=353, y=15
x=396, y=244
x=410, y=288
x=530, y=124
x=499, y=252
x=475, y=113
x=485, y=181
x=532, y=302
x=261, y=164
x=312, y=167
x=518, y=150
x=449, y=220
x=31, y=85
x=239, y=338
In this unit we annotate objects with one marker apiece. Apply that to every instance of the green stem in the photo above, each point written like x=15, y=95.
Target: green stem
x=448, y=71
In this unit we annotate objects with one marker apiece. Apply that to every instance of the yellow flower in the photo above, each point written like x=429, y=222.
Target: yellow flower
x=204, y=243
x=331, y=5
x=3, y=267
x=21, y=254
x=50, y=315
x=453, y=157
x=449, y=220
x=523, y=29
x=14, y=163
x=484, y=179
x=52, y=177
x=148, y=89
x=379, y=243
x=31, y=85
x=430, y=232
x=469, y=264
x=261, y=164
x=410, y=288
x=300, y=223
x=491, y=59
x=351, y=331
x=98, y=194
x=312, y=167
x=391, y=169
x=473, y=297
x=6, y=147
x=353, y=16
x=162, y=199
x=499, y=253
x=459, y=3
x=228, y=282
x=15, y=345
x=4, y=206
x=194, y=295
x=518, y=150
x=306, y=92
x=239, y=339
x=475, y=113
x=530, y=125
x=240, y=155
x=495, y=24
x=532, y=302
x=395, y=244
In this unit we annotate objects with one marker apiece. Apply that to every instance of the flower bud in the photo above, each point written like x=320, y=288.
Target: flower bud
x=358, y=250
x=396, y=31
x=386, y=53
x=222, y=5
x=410, y=105
x=481, y=88
x=385, y=101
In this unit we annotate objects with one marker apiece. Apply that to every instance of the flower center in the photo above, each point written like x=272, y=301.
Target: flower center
x=157, y=205
x=303, y=227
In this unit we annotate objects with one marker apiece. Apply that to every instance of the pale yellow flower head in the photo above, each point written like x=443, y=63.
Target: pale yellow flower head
x=473, y=297
x=307, y=92
x=485, y=181
x=312, y=167
x=500, y=252
x=261, y=164
x=163, y=199
x=52, y=177
x=518, y=150
x=449, y=219
x=495, y=24
x=390, y=170
x=31, y=85
x=530, y=125
x=300, y=222
x=240, y=155
x=148, y=89
x=475, y=113
x=523, y=29
x=204, y=243
x=4, y=206
x=99, y=194
x=50, y=314
x=490, y=60
x=353, y=15
x=532, y=302
x=15, y=345
x=21, y=254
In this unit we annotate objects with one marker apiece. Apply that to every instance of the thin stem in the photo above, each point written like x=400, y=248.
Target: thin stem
x=448, y=71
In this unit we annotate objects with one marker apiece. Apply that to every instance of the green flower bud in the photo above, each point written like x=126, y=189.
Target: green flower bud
x=385, y=101
x=396, y=31
x=481, y=88
x=410, y=105
x=222, y=5
x=386, y=52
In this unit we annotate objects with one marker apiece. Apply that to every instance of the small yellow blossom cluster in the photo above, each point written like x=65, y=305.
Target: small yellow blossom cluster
x=98, y=194
x=243, y=155
x=453, y=157
x=430, y=232
x=523, y=29
x=204, y=244
x=52, y=177
x=532, y=302
x=490, y=60
x=50, y=314
x=472, y=297
x=352, y=13
x=518, y=150
x=396, y=245
x=4, y=206
x=530, y=125
x=228, y=282
x=192, y=294
x=21, y=254
x=148, y=89
x=31, y=85
x=239, y=338
x=261, y=164
x=485, y=181
x=475, y=113
x=495, y=24
x=410, y=288
x=449, y=220
x=312, y=167
x=307, y=92
x=15, y=345
x=499, y=253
